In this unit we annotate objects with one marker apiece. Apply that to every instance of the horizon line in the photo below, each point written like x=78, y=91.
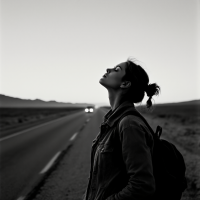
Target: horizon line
x=97, y=103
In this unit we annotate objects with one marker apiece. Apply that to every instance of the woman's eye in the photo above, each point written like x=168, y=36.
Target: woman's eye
x=116, y=68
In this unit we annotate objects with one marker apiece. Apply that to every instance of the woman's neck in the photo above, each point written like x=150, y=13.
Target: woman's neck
x=115, y=100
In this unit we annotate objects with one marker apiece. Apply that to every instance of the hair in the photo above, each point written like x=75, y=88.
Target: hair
x=139, y=84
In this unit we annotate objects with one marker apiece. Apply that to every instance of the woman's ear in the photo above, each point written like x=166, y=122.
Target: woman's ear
x=125, y=84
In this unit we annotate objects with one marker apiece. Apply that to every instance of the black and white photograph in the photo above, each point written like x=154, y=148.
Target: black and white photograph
x=100, y=100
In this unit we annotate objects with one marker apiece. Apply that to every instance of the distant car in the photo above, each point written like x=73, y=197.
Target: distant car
x=89, y=109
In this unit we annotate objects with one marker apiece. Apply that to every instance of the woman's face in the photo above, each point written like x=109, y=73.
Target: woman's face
x=113, y=77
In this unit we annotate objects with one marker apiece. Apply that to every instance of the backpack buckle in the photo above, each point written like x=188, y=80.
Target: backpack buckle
x=158, y=131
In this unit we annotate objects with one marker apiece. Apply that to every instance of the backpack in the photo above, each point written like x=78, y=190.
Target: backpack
x=168, y=165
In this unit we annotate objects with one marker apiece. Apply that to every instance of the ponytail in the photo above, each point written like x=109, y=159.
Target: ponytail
x=151, y=90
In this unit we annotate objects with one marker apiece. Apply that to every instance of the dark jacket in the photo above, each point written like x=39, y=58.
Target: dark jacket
x=121, y=158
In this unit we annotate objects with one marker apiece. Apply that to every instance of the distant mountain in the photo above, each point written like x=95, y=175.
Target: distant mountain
x=193, y=102
x=7, y=102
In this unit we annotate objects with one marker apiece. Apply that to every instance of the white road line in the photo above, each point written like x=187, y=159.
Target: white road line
x=30, y=129
x=21, y=198
x=73, y=136
x=50, y=163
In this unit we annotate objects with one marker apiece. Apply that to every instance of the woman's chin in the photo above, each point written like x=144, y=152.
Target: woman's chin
x=101, y=81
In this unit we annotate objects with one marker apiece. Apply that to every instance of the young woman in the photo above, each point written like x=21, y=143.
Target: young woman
x=121, y=156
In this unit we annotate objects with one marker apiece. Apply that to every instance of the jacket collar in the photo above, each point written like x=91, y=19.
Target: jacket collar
x=112, y=116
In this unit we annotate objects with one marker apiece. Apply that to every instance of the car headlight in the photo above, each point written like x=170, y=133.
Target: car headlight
x=86, y=110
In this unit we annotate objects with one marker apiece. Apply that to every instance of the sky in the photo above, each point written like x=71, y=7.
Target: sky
x=59, y=49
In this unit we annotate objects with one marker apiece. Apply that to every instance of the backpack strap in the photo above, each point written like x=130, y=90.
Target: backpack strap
x=156, y=134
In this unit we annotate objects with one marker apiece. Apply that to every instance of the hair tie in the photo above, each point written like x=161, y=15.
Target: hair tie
x=147, y=91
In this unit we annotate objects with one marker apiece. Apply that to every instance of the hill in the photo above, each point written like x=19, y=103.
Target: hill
x=13, y=102
x=193, y=102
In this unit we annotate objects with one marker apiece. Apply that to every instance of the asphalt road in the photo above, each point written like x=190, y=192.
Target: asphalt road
x=24, y=157
x=69, y=179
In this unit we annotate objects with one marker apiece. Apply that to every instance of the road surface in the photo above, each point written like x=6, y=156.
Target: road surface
x=26, y=156
x=69, y=180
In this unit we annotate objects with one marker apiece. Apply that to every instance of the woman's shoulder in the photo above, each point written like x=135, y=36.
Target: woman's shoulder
x=131, y=121
x=134, y=125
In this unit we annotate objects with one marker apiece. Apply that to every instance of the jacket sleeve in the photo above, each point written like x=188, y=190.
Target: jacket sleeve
x=137, y=157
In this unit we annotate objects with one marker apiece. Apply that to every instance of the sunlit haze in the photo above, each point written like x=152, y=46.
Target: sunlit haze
x=58, y=50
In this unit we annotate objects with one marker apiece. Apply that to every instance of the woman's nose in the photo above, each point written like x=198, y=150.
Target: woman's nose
x=108, y=70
